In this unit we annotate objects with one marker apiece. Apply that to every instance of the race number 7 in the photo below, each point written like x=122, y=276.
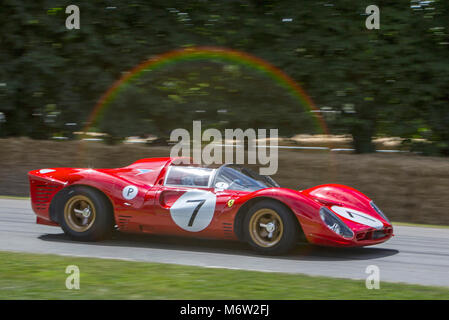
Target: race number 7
x=195, y=211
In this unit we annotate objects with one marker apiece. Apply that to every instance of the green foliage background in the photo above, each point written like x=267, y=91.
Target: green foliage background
x=392, y=81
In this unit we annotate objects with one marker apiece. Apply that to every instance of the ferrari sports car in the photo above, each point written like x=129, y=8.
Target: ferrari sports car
x=162, y=196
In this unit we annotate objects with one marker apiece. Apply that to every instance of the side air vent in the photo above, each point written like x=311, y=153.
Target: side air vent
x=228, y=230
x=122, y=222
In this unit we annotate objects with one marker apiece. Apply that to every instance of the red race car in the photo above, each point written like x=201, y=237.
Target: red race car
x=161, y=196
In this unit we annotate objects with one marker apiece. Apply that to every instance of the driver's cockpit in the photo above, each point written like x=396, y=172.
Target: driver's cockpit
x=231, y=177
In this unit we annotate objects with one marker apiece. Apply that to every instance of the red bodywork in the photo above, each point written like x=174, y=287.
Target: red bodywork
x=149, y=211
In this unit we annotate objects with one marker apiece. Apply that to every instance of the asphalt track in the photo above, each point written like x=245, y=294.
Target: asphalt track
x=414, y=255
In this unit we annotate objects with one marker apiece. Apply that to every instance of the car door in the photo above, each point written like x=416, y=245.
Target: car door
x=184, y=210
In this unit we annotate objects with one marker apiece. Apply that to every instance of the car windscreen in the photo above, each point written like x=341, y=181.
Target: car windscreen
x=188, y=176
x=235, y=177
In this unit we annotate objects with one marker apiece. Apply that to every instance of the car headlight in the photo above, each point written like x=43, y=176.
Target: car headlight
x=373, y=205
x=334, y=223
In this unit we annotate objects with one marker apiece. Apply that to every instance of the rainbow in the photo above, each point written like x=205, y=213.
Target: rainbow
x=207, y=53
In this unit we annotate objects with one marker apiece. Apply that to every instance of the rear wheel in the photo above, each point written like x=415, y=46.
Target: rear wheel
x=270, y=228
x=85, y=214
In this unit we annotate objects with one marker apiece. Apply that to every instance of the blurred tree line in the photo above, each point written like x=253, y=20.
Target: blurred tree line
x=387, y=82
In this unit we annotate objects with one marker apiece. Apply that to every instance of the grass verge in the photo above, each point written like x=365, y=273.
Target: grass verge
x=408, y=224
x=33, y=276
x=14, y=198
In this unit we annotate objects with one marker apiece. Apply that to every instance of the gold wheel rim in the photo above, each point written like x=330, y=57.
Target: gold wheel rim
x=79, y=213
x=266, y=227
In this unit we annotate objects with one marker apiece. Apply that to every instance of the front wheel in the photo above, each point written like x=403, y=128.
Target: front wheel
x=271, y=228
x=85, y=214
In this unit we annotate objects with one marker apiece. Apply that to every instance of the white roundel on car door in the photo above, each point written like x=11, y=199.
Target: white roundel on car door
x=194, y=210
x=358, y=217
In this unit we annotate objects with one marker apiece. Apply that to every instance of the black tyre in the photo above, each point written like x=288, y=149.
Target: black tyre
x=270, y=228
x=85, y=214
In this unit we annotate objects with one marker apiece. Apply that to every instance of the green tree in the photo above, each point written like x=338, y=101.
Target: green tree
x=391, y=81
